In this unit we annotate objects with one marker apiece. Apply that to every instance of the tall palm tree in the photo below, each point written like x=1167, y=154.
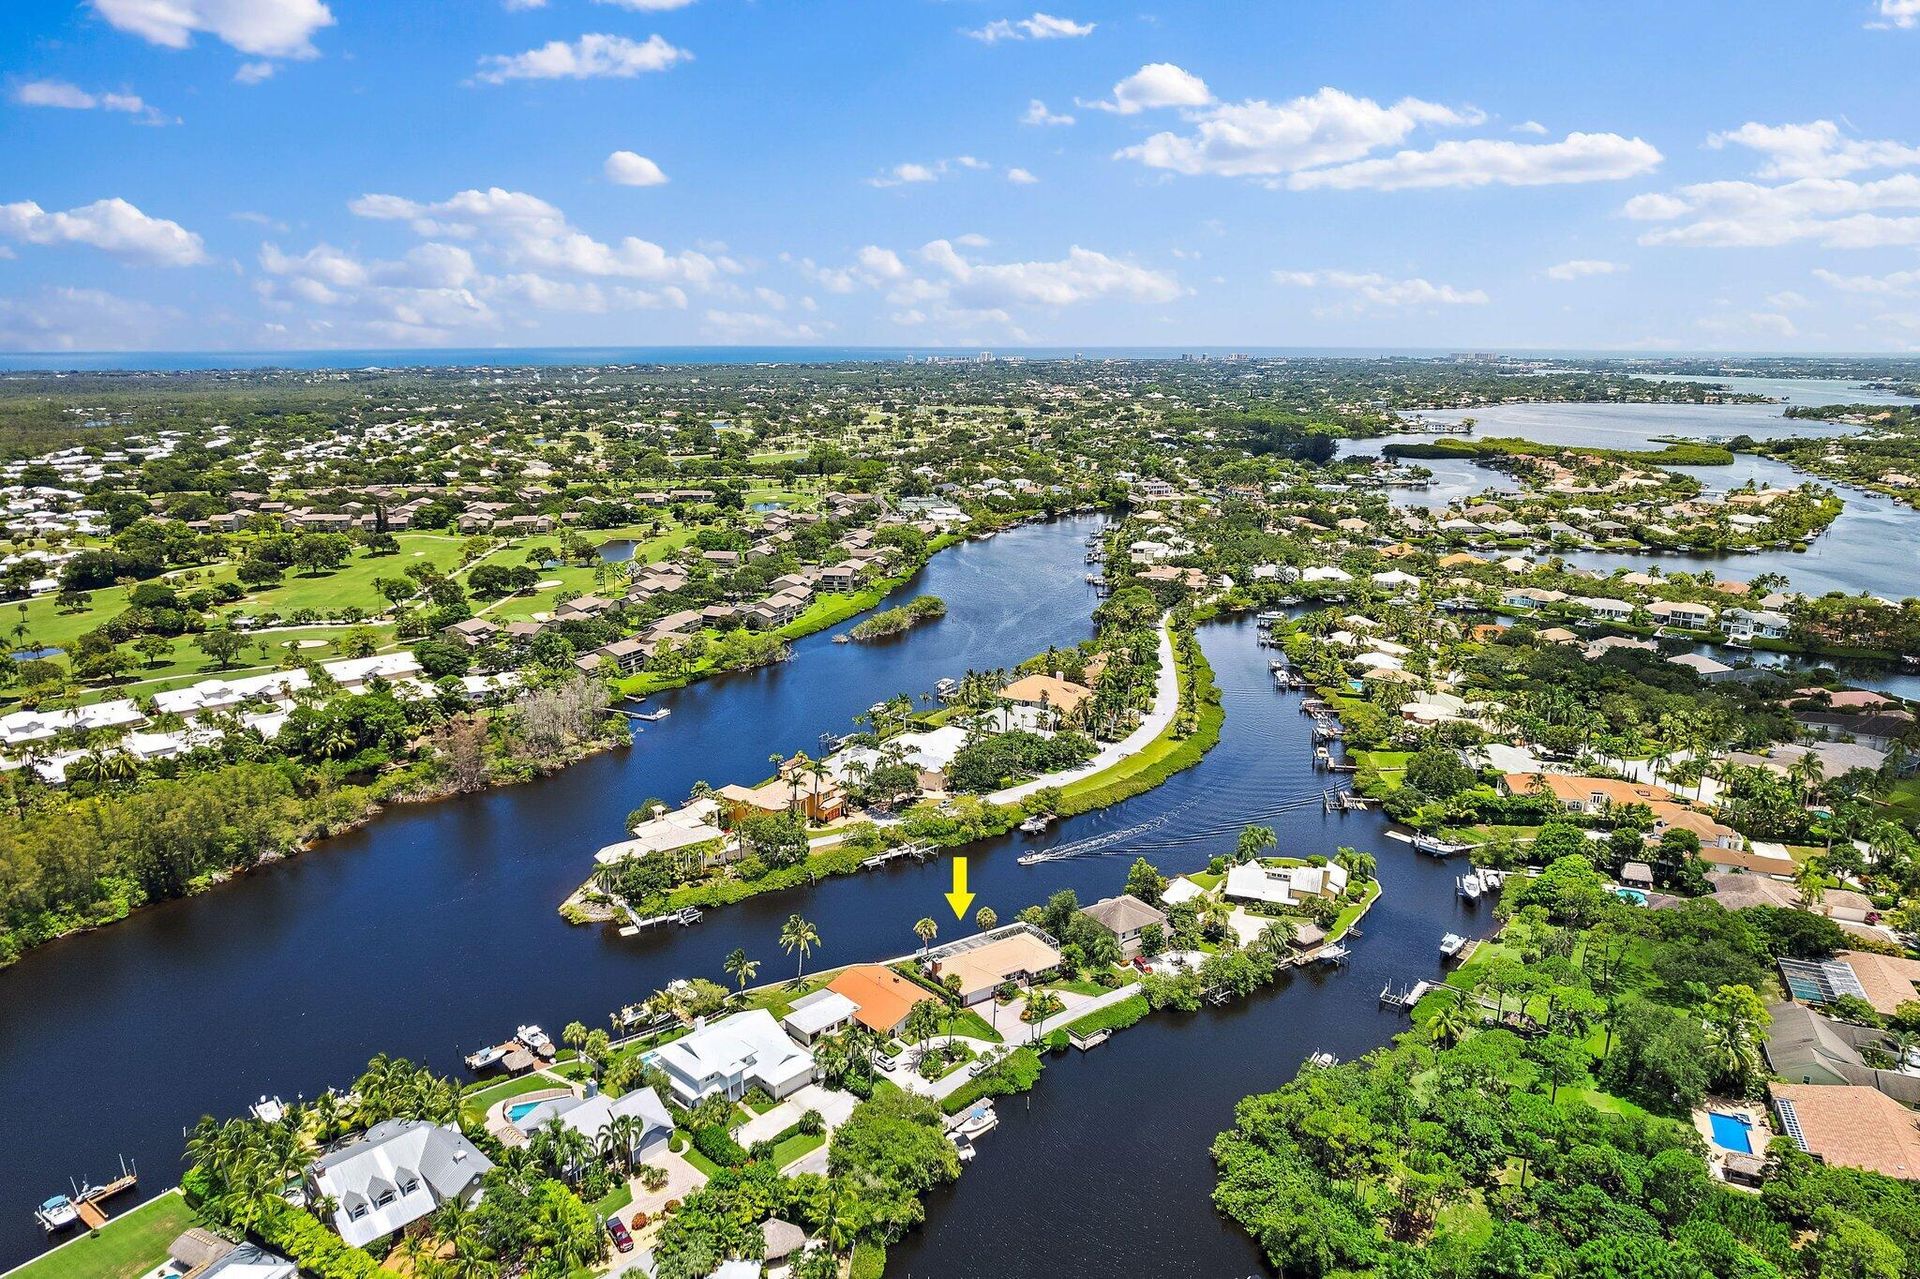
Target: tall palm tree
x=926, y=930
x=799, y=935
x=741, y=969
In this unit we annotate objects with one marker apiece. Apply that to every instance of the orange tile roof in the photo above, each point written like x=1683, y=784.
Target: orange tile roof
x=882, y=995
x=1854, y=1127
x=1062, y=695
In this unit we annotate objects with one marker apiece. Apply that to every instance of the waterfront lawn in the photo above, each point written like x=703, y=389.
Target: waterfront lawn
x=780, y=997
x=127, y=1246
x=1351, y=912
x=1113, y=1017
x=1903, y=801
x=1389, y=766
x=476, y=1102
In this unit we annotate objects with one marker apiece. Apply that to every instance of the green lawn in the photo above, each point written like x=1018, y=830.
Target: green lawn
x=1080, y=986
x=475, y=1104
x=1351, y=912
x=127, y=1246
x=617, y=1199
x=793, y=1147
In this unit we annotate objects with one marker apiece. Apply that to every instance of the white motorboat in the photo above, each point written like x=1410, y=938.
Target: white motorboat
x=980, y=1119
x=486, y=1057
x=1450, y=944
x=534, y=1038
x=1434, y=846
x=1323, y=1058
x=1037, y=823
x=1469, y=886
x=963, y=1147
x=56, y=1213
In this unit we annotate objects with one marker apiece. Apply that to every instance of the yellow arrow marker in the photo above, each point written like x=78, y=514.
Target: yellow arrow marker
x=959, y=898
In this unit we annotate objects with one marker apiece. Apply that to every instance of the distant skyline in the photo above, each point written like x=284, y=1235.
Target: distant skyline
x=207, y=175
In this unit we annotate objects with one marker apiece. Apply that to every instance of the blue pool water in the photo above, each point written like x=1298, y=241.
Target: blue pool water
x=521, y=1109
x=1730, y=1132
x=1633, y=895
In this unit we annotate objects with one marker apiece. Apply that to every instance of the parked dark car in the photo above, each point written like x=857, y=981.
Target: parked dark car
x=621, y=1239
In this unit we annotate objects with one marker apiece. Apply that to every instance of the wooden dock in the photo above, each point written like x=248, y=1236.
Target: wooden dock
x=686, y=917
x=1395, y=997
x=87, y=1202
x=916, y=851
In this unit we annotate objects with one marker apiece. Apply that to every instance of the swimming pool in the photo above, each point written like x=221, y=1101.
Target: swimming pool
x=521, y=1109
x=1633, y=895
x=1731, y=1132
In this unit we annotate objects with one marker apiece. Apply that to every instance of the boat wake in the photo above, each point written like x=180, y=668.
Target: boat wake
x=1129, y=840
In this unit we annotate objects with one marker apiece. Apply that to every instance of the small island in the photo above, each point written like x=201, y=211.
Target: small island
x=897, y=621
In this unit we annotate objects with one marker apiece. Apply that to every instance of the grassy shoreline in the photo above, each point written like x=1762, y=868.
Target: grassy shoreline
x=1168, y=753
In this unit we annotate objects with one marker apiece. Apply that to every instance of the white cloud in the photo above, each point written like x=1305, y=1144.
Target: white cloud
x=1084, y=275
x=1814, y=150
x=1037, y=114
x=1158, y=84
x=945, y=285
x=1898, y=13
x=1478, y=162
x=1021, y=177
x=1041, y=26
x=633, y=170
x=1266, y=139
x=589, y=57
x=1582, y=268
x=1837, y=213
x=530, y=234
x=912, y=173
x=737, y=326
x=1533, y=127
x=1373, y=289
x=112, y=225
x=70, y=319
x=71, y=97
x=264, y=28
x=1898, y=284
x=253, y=72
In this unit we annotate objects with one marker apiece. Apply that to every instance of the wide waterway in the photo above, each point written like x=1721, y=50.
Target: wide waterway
x=433, y=931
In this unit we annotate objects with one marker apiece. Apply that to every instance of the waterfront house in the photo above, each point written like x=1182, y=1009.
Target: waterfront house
x=1530, y=597
x=1283, y=885
x=1125, y=917
x=627, y=655
x=1878, y=729
x=1587, y=795
x=1605, y=607
x=1749, y=624
x=679, y=831
x=200, y=1254
x=1061, y=695
x=881, y=998
x=733, y=1056
x=1015, y=953
x=1703, y=666
x=1681, y=613
x=590, y=1116
x=400, y=1171
x=821, y=1013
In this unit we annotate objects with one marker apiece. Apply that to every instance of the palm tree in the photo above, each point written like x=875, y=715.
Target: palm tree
x=1254, y=840
x=985, y=919
x=799, y=935
x=1450, y=1022
x=926, y=930
x=741, y=969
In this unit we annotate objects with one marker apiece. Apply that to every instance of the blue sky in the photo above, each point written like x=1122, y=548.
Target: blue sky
x=258, y=174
